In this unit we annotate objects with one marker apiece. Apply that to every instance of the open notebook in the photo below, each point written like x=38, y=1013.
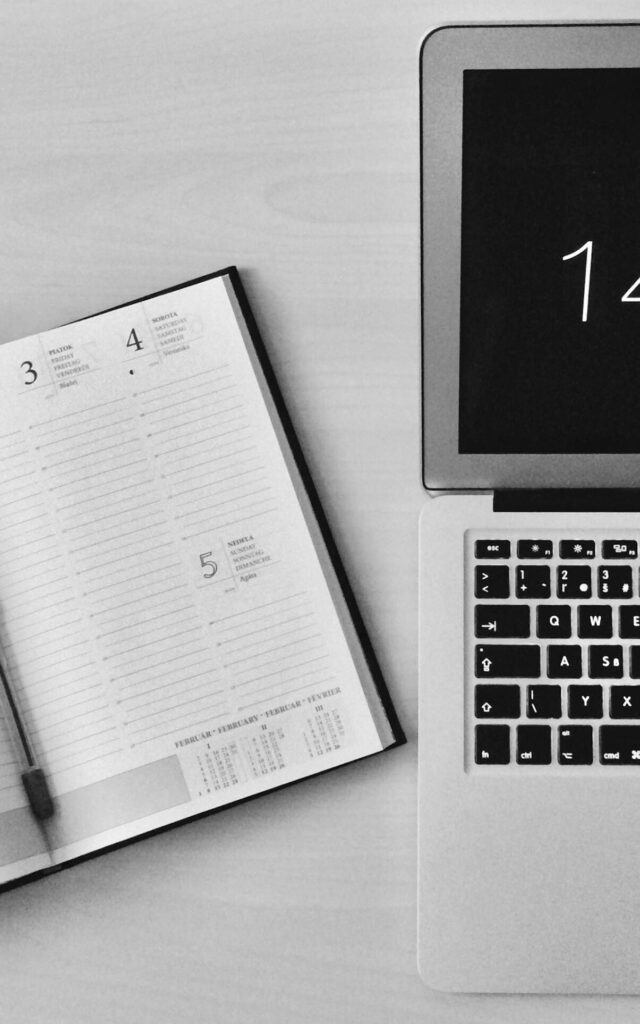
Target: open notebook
x=173, y=615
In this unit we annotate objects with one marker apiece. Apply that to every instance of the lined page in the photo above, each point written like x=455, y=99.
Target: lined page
x=161, y=601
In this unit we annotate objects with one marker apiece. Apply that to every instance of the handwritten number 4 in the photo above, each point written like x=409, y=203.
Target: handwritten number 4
x=588, y=249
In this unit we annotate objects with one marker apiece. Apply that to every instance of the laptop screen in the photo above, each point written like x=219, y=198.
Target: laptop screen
x=550, y=261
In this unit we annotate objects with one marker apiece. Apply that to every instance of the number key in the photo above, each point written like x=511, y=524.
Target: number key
x=533, y=581
x=574, y=581
x=614, y=581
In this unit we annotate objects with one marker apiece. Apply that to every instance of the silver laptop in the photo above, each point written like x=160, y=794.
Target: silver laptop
x=529, y=788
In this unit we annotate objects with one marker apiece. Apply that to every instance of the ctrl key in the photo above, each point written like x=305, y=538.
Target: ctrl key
x=492, y=744
x=534, y=744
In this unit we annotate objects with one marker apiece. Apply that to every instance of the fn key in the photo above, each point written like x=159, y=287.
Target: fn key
x=492, y=744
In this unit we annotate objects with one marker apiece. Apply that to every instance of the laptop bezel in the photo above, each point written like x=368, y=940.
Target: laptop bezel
x=445, y=53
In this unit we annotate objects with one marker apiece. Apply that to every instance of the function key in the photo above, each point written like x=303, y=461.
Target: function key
x=534, y=744
x=619, y=549
x=503, y=620
x=574, y=581
x=535, y=549
x=575, y=744
x=614, y=581
x=493, y=548
x=492, y=744
x=577, y=549
x=533, y=581
x=554, y=620
x=492, y=580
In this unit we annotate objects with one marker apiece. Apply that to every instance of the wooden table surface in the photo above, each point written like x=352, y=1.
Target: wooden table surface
x=143, y=144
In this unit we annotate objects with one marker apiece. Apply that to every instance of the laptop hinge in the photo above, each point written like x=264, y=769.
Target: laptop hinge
x=601, y=499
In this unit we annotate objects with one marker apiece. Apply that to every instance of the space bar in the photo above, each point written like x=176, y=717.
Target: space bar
x=620, y=744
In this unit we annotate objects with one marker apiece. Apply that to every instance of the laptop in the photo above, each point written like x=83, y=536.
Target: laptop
x=529, y=763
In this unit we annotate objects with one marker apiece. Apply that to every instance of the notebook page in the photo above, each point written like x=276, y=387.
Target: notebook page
x=163, y=610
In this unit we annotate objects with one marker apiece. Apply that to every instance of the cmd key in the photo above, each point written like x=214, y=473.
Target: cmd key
x=508, y=661
x=620, y=744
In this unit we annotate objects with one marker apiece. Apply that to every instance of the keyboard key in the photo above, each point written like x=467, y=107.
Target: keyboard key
x=492, y=744
x=625, y=702
x=614, y=581
x=502, y=620
x=605, y=662
x=492, y=581
x=535, y=549
x=634, y=662
x=577, y=549
x=493, y=549
x=544, y=701
x=595, y=620
x=619, y=549
x=630, y=621
x=497, y=701
x=585, y=701
x=620, y=744
x=553, y=620
x=533, y=581
x=533, y=744
x=564, y=661
x=575, y=744
x=508, y=661
x=574, y=581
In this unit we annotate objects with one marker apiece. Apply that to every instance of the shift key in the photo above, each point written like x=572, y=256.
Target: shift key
x=508, y=661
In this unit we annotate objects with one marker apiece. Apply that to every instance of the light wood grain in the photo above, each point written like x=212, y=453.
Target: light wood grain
x=144, y=143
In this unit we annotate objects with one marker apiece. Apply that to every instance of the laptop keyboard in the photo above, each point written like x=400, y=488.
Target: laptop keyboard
x=554, y=657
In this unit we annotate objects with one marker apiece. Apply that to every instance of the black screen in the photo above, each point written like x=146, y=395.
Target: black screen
x=550, y=331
